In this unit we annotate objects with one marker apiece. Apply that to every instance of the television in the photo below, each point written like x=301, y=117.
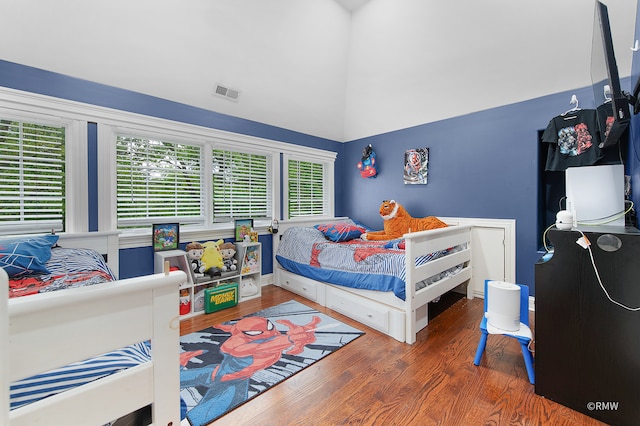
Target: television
x=612, y=103
x=595, y=195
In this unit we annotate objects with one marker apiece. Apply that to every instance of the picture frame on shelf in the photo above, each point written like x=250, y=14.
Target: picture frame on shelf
x=243, y=229
x=251, y=260
x=165, y=236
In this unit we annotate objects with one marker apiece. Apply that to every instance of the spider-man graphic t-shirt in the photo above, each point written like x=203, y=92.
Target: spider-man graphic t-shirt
x=573, y=140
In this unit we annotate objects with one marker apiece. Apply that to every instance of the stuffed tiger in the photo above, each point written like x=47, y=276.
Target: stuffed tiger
x=398, y=222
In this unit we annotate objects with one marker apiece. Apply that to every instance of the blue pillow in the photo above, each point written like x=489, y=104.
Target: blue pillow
x=26, y=255
x=339, y=232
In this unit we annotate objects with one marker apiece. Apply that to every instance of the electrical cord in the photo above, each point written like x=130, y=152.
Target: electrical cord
x=595, y=269
x=607, y=219
x=593, y=263
x=544, y=237
x=590, y=222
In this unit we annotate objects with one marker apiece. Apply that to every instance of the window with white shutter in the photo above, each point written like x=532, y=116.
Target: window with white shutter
x=307, y=190
x=157, y=181
x=241, y=185
x=32, y=177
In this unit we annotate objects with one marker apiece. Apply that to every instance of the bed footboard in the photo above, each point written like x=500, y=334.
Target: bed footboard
x=418, y=244
x=49, y=330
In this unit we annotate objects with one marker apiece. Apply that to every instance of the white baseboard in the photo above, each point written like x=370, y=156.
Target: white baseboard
x=266, y=279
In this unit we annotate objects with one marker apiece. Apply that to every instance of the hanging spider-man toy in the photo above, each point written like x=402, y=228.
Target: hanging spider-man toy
x=367, y=166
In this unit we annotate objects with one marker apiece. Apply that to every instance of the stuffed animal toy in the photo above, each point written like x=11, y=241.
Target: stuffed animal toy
x=248, y=287
x=397, y=222
x=195, y=250
x=212, y=258
x=228, y=251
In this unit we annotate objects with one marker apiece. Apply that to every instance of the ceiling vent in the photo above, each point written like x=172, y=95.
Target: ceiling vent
x=226, y=92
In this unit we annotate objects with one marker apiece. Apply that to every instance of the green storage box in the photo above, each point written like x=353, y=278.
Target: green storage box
x=220, y=297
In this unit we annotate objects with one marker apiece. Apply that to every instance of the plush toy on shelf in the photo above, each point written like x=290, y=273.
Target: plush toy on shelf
x=397, y=222
x=212, y=258
x=248, y=287
x=228, y=251
x=195, y=250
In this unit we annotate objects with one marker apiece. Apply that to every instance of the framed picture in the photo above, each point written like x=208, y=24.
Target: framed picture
x=243, y=228
x=416, y=166
x=166, y=236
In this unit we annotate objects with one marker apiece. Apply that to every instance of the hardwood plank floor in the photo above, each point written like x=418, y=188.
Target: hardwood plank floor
x=376, y=380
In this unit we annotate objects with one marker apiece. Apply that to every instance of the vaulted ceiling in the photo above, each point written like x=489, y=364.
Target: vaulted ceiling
x=337, y=69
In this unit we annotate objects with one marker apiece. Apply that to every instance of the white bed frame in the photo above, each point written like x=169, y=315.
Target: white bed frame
x=383, y=310
x=48, y=330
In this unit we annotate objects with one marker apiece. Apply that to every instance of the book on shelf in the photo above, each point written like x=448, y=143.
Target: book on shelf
x=251, y=261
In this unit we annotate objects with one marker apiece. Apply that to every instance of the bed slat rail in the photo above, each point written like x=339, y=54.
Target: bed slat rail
x=435, y=266
x=125, y=396
x=427, y=294
x=424, y=242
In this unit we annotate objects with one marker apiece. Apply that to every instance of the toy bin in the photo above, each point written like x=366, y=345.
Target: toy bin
x=185, y=302
x=220, y=297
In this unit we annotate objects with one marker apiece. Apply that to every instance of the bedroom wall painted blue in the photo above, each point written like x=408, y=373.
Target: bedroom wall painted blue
x=44, y=82
x=481, y=165
x=92, y=154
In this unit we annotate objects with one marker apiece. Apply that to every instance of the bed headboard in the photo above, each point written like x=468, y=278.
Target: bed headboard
x=105, y=243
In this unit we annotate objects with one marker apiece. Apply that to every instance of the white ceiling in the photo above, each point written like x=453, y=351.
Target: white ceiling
x=320, y=67
x=351, y=5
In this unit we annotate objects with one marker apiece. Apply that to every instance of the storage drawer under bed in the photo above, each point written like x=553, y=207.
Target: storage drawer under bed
x=300, y=285
x=375, y=316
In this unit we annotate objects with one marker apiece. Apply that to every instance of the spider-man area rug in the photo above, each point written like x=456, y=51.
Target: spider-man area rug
x=226, y=365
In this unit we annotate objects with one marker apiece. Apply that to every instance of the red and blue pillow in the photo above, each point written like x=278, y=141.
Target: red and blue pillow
x=341, y=231
x=26, y=255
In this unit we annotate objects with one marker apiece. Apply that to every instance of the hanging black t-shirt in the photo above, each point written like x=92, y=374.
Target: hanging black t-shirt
x=573, y=140
x=605, y=119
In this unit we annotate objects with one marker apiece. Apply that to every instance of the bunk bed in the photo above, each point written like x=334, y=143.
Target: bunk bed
x=440, y=260
x=45, y=332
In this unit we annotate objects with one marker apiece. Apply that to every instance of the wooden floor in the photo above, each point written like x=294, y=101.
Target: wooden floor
x=376, y=380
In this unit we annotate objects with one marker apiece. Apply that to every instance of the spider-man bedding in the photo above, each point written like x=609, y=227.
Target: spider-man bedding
x=68, y=268
x=372, y=265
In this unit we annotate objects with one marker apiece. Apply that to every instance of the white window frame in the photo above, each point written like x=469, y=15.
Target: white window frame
x=31, y=106
x=76, y=166
x=271, y=163
x=327, y=160
x=169, y=139
x=209, y=139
